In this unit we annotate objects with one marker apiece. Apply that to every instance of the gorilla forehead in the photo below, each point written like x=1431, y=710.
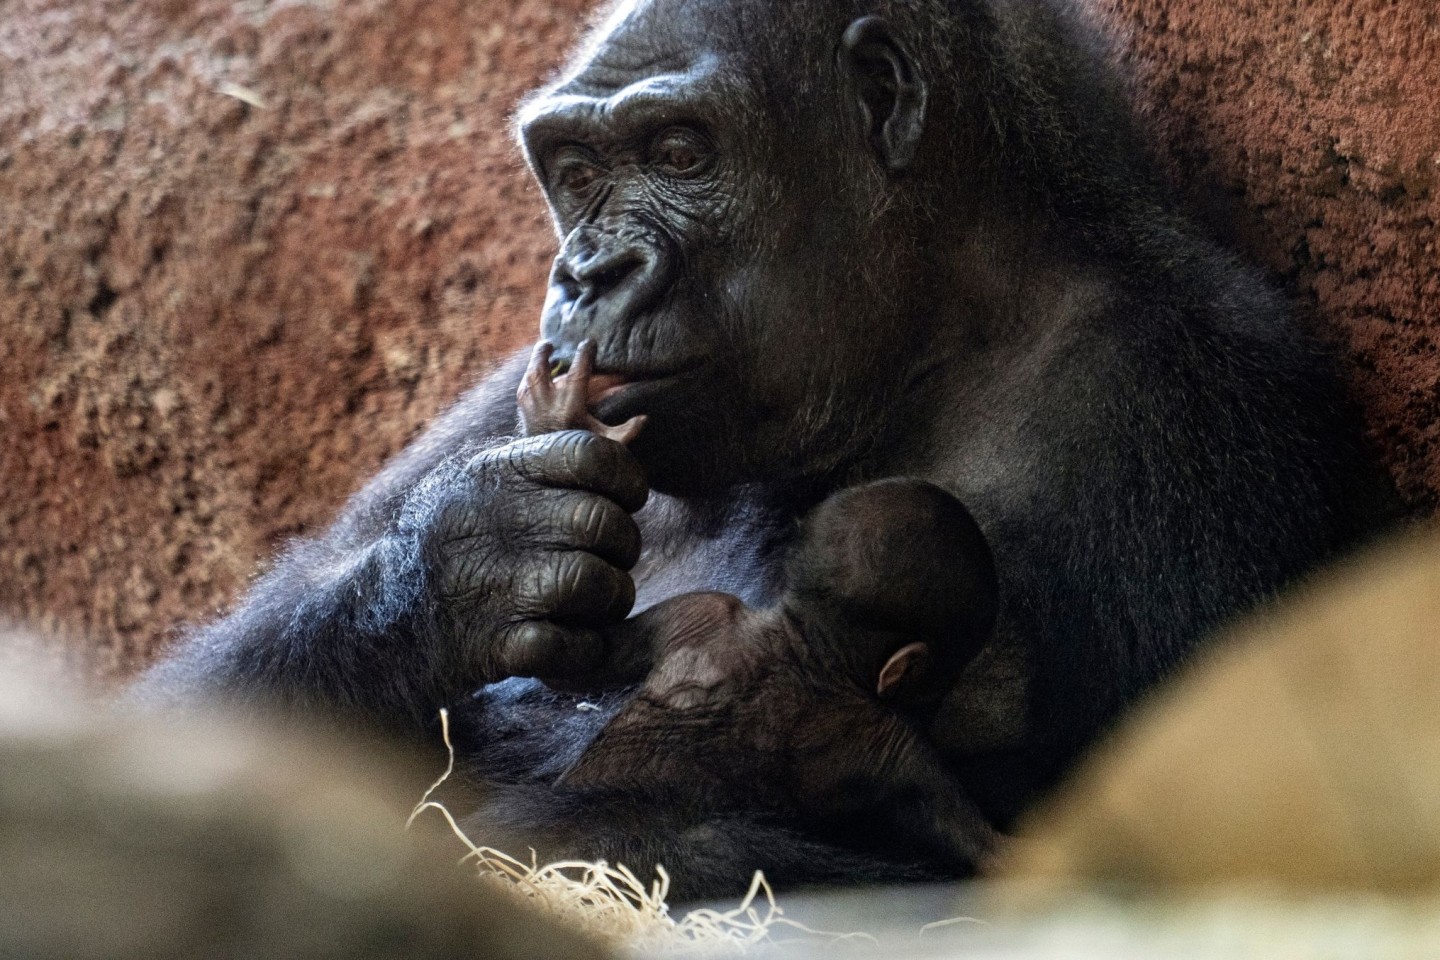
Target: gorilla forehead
x=642, y=38
x=649, y=63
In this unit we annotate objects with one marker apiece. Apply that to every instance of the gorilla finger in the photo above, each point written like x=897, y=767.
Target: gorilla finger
x=596, y=524
x=537, y=380
x=584, y=361
x=569, y=401
x=535, y=648
x=572, y=386
x=574, y=587
x=622, y=433
x=539, y=369
x=580, y=460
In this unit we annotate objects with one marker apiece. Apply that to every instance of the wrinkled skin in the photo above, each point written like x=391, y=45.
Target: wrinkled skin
x=815, y=250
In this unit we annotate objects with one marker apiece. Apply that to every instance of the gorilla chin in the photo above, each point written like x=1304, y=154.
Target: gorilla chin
x=690, y=445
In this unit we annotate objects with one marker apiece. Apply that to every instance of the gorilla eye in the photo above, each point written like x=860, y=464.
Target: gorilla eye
x=576, y=177
x=681, y=152
x=575, y=171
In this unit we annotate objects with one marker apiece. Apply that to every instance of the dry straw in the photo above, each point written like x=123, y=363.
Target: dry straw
x=613, y=904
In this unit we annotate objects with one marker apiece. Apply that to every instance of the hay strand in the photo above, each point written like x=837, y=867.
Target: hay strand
x=613, y=904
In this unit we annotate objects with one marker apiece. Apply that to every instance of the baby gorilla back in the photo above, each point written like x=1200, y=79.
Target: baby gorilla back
x=732, y=723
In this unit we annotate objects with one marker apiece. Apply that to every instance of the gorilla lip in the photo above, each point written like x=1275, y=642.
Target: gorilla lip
x=602, y=386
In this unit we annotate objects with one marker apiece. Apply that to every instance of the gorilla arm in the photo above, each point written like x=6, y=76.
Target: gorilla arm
x=454, y=567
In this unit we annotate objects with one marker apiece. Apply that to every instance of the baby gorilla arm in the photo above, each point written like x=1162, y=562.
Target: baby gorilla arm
x=882, y=767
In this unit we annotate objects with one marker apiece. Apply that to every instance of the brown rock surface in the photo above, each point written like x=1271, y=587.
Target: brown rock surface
x=219, y=317
x=216, y=318
x=1317, y=126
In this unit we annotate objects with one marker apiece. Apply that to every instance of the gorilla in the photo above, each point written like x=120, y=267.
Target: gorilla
x=812, y=708
x=816, y=244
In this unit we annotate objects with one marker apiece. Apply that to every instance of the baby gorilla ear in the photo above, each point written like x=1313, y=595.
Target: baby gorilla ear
x=904, y=673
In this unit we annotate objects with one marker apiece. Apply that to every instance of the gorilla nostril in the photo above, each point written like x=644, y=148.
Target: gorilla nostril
x=603, y=274
x=605, y=278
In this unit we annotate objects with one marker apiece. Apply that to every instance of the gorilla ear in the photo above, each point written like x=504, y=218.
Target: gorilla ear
x=903, y=672
x=891, y=88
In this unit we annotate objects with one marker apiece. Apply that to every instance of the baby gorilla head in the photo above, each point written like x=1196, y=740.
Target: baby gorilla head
x=894, y=580
x=890, y=589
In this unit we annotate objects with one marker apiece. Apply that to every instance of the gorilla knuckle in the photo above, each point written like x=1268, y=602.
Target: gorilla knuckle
x=536, y=648
x=588, y=521
x=544, y=586
x=581, y=451
x=579, y=460
x=544, y=458
x=610, y=531
x=575, y=586
x=527, y=648
x=571, y=573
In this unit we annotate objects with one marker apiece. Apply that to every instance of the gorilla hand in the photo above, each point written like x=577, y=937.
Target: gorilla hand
x=529, y=549
x=488, y=565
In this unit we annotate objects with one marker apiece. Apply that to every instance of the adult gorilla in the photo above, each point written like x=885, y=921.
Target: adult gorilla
x=819, y=243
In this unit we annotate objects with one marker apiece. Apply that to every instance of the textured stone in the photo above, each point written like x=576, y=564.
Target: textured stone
x=246, y=250
x=1312, y=131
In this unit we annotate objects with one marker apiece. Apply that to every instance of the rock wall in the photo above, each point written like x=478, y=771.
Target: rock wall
x=247, y=248
x=1313, y=131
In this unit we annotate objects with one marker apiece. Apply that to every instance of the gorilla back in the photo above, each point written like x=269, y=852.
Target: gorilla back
x=818, y=243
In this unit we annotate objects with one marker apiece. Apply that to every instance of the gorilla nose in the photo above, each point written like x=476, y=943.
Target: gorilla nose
x=593, y=277
x=602, y=280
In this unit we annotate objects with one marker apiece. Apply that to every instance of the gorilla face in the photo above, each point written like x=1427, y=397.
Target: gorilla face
x=738, y=277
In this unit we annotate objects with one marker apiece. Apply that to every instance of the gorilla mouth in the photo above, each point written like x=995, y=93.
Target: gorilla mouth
x=602, y=386
x=605, y=384
x=616, y=396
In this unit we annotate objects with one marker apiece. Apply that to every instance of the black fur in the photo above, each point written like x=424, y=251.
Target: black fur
x=929, y=245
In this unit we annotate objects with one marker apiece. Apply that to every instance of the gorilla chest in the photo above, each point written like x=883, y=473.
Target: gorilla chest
x=741, y=552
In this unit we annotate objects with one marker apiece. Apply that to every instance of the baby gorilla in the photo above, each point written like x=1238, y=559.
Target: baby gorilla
x=811, y=708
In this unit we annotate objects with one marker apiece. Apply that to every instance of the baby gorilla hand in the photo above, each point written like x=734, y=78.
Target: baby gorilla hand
x=549, y=403
x=529, y=544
